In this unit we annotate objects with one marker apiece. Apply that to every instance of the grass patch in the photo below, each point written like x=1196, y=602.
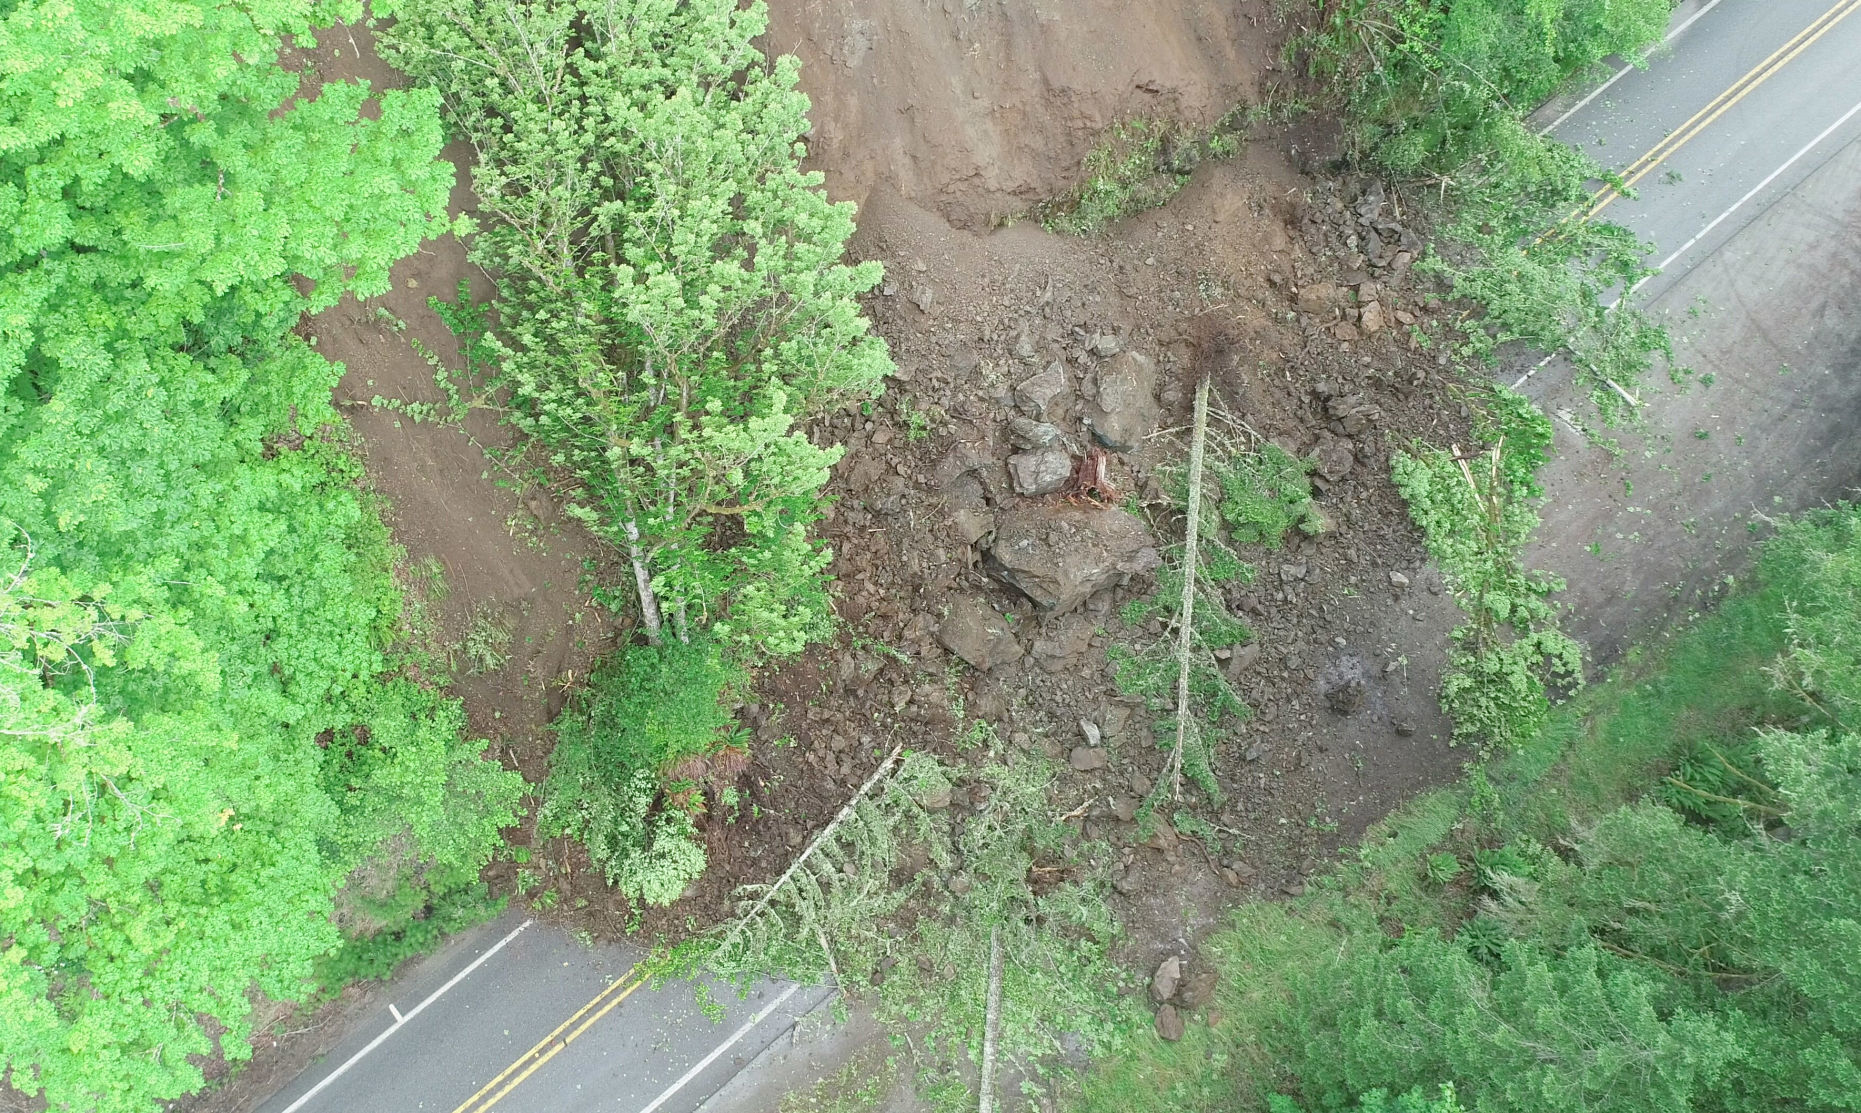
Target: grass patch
x=1137, y=165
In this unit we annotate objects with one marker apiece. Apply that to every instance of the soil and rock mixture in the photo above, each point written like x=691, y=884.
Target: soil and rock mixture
x=998, y=507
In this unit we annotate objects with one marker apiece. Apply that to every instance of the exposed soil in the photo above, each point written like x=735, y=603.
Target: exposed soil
x=1238, y=278
x=946, y=122
x=977, y=109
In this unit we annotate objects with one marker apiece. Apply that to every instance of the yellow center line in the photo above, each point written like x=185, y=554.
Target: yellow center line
x=550, y=1045
x=1722, y=103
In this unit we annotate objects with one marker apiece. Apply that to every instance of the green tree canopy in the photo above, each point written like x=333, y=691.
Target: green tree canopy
x=201, y=734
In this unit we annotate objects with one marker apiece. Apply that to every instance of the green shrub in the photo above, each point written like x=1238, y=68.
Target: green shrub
x=1476, y=512
x=652, y=718
x=1438, y=90
x=1265, y=494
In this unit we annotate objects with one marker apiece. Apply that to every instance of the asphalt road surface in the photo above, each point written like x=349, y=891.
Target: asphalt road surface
x=1745, y=101
x=520, y=1017
x=1742, y=140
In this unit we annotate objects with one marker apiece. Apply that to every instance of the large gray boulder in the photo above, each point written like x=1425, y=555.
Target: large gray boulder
x=1126, y=411
x=1060, y=555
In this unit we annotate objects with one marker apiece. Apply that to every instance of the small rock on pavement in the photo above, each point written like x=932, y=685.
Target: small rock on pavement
x=976, y=633
x=1041, y=472
x=1169, y=1024
x=1163, y=983
x=1086, y=759
x=1126, y=411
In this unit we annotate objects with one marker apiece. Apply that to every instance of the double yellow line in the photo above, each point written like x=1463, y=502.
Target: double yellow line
x=1734, y=93
x=552, y=1045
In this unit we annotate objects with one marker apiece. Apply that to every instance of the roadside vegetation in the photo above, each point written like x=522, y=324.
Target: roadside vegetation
x=223, y=775
x=674, y=309
x=1476, y=508
x=1435, y=92
x=1644, y=907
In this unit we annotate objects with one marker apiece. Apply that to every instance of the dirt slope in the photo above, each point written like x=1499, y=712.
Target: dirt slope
x=975, y=109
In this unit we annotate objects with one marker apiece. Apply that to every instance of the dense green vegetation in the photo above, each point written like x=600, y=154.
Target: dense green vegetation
x=1477, y=508
x=213, y=773
x=1593, y=923
x=675, y=308
x=1436, y=91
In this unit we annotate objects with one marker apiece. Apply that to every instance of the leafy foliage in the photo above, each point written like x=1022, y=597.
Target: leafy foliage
x=651, y=716
x=1433, y=84
x=205, y=750
x=1265, y=494
x=673, y=307
x=1476, y=511
x=1438, y=89
x=1149, y=670
x=670, y=282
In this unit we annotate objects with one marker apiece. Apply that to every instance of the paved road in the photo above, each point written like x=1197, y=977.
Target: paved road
x=1747, y=99
x=1753, y=105
x=520, y=1017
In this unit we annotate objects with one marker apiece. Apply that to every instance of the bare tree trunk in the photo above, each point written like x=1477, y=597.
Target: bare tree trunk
x=643, y=582
x=992, y=1020
x=1192, y=538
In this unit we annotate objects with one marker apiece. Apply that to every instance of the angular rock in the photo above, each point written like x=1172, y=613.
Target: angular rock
x=1164, y=982
x=1085, y=759
x=1126, y=411
x=1244, y=657
x=1371, y=320
x=1318, y=298
x=1336, y=457
x=1026, y=433
x=1124, y=807
x=1345, y=331
x=973, y=525
x=1036, y=393
x=1198, y=989
x=1041, y=472
x=1169, y=1024
x=1398, y=581
x=1058, y=556
x=1105, y=345
x=977, y=634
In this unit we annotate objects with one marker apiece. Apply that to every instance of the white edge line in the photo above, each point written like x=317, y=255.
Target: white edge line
x=1623, y=72
x=411, y=1013
x=748, y=1025
x=1754, y=191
